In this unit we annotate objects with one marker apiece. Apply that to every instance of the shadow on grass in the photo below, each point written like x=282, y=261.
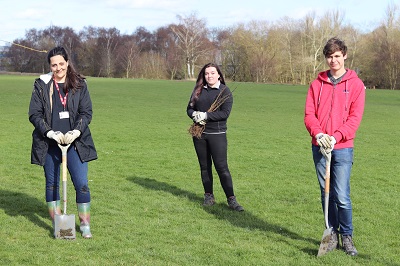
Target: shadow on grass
x=249, y=221
x=20, y=204
x=240, y=219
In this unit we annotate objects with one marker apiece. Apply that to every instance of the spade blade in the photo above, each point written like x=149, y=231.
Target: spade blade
x=64, y=226
x=326, y=237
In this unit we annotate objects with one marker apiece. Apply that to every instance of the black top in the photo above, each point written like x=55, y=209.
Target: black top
x=58, y=124
x=216, y=121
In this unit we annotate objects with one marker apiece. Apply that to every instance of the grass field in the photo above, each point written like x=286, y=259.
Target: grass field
x=146, y=189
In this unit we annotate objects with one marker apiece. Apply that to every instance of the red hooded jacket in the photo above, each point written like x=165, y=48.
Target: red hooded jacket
x=335, y=110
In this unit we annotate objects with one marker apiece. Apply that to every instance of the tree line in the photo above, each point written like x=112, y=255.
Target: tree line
x=286, y=51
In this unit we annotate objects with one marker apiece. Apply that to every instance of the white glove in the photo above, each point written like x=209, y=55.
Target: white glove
x=194, y=114
x=57, y=136
x=323, y=140
x=70, y=136
x=332, y=144
x=326, y=151
x=200, y=116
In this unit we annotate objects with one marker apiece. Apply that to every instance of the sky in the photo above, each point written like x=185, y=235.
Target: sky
x=18, y=16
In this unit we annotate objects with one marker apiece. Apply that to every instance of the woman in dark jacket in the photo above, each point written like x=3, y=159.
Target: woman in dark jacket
x=209, y=106
x=61, y=111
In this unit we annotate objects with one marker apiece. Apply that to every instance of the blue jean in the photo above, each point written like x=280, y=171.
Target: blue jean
x=77, y=170
x=340, y=213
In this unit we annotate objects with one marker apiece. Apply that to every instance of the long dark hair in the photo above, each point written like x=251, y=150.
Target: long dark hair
x=201, y=81
x=73, y=80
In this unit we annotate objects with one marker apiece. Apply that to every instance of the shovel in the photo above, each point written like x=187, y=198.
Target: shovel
x=323, y=247
x=64, y=225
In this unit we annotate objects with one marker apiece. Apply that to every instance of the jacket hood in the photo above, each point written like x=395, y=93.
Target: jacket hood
x=46, y=77
x=350, y=74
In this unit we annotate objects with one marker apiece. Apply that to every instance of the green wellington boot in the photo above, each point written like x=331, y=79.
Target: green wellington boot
x=84, y=218
x=54, y=208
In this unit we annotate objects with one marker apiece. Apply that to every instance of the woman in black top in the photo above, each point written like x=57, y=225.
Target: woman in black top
x=209, y=106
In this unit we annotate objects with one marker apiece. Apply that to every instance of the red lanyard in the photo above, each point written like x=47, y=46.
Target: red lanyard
x=63, y=100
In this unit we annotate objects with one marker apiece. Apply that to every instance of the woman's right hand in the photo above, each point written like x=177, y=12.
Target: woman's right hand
x=56, y=135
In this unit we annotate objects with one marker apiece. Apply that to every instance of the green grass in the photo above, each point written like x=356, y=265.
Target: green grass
x=147, y=194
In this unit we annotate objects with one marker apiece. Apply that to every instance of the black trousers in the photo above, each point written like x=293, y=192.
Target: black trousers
x=212, y=148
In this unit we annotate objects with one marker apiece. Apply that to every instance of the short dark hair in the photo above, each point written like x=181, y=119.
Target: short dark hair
x=334, y=45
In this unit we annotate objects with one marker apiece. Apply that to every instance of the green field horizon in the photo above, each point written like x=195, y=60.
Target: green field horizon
x=147, y=193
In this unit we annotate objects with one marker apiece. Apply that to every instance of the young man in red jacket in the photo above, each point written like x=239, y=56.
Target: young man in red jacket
x=333, y=112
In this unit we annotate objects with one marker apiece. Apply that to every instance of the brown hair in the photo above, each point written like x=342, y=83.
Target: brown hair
x=334, y=45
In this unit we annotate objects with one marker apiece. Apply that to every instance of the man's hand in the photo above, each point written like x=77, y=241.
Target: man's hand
x=333, y=142
x=323, y=140
x=70, y=136
x=326, y=151
x=56, y=135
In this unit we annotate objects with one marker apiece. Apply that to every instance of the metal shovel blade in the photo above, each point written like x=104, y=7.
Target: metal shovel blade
x=323, y=247
x=64, y=226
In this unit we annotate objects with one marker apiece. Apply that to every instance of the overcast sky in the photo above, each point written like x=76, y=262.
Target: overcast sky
x=17, y=16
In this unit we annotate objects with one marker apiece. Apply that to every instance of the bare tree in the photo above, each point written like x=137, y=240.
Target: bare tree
x=128, y=52
x=89, y=52
x=316, y=33
x=58, y=36
x=391, y=46
x=352, y=37
x=289, y=51
x=289, y=30
x=262, y=50
x=381, y=66
x=25, y=60
x=144, y=39
x=152, y=66
x=235, y=55
x=108, y=39
x=192, y=40
x=166, y=45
